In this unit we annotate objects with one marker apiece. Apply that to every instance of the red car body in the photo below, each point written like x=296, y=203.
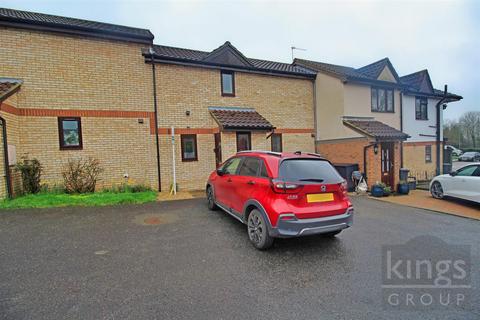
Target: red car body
x=296, y=193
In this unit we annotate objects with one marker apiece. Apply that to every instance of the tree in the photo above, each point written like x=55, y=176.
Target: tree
x=470, y=124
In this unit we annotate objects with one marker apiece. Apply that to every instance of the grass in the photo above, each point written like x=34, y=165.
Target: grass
x=49, y=199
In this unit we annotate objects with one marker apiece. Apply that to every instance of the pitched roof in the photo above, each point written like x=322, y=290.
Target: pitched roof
x=8, y=86
x=40, y=21
x=420, y=83
x=239, y=118
x=375, y=129
x=226, y=56
x=368, y=73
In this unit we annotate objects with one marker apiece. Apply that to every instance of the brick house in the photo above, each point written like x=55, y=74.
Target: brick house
x=423, y=107
x=84, y=88
x=358, y=117
x=221, y=102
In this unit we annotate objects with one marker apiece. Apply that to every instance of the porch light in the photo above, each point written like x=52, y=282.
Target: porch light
x=375, y=149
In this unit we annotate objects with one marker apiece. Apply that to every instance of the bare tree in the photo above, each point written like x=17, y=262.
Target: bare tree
x=470, y=123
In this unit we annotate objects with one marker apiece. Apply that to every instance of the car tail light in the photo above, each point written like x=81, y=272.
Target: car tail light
x=285, y=187
x=344, y=188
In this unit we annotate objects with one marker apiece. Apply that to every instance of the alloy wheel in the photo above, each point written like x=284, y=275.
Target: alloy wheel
x=255, y=228
x=437, y=190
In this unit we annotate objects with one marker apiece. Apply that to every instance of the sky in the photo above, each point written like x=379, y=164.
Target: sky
x=441, y=36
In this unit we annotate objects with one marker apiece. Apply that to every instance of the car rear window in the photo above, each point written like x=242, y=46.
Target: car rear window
x=309, y=170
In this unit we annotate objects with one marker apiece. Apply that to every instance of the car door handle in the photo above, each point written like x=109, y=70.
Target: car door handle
x=251, y=182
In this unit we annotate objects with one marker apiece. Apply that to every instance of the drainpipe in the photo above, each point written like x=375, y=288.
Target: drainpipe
x=155, y=111
x=5, y=157
x=315, y=124
x=438, y=126
x=401, y=128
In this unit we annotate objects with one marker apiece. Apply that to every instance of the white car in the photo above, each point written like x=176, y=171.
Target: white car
x=463, y=183
x=455, y=151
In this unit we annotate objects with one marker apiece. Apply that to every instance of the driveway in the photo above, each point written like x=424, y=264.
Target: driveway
x=177, y=260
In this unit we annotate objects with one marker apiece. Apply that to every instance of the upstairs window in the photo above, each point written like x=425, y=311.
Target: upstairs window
x=428, y=154
x=70, y=133
x=189, y=147
x=421, y=111
x=228, y=83
x=276, y=142
x=382, y=100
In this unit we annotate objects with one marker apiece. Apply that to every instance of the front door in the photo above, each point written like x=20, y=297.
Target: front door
x=218, y=149
x=387, y=163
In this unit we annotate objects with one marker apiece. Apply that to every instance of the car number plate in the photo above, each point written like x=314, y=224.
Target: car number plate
x=319, y=197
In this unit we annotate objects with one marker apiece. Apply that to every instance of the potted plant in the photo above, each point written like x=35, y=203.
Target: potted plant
x=387, y=191
x=403, y=187
x=377, y=189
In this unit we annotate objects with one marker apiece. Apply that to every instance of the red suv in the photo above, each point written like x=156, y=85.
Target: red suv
x=280, y=195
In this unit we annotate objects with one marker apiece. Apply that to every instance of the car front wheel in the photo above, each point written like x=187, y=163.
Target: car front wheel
x=257, y=231
x=211, y=199
x=436, y=190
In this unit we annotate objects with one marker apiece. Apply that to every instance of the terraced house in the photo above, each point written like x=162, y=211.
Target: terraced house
x=73, y=88
x=372, y=117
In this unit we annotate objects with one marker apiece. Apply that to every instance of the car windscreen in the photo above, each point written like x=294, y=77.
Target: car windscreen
x=308, y=170
x=469, y=154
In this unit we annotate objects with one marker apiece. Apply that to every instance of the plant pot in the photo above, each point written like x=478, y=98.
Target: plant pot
x=403, y=188
x=386, y=193
x=377, y=191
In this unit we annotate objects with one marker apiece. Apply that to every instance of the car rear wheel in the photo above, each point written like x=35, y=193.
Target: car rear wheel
x=436, y=190
x=257, y=231
x=211, y=199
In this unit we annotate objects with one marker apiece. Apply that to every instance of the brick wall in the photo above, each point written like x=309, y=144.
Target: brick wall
x=414, y=160
x=105, y=82
x=351, y=151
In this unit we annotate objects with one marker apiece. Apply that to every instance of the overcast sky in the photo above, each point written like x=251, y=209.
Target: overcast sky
x=441, y=36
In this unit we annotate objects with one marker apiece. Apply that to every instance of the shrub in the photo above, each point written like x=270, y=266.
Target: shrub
x=82, y=175
x=127, y=188
x=31, y=171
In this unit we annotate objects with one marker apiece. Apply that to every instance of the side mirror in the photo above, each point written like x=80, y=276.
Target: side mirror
x=453, y=173
x=220, y=172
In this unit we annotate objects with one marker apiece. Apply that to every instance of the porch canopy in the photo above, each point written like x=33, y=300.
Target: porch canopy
x=8, y=86
x=233, y=118
x=375, y=129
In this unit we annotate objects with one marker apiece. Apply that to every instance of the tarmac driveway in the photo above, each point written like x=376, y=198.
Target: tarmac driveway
x=177, y=260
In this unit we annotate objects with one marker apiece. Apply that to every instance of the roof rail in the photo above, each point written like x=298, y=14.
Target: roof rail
x=316, y=155
x=277, y=154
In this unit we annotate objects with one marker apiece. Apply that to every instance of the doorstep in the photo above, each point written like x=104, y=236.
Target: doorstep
x=181, y=195
x=423, y=200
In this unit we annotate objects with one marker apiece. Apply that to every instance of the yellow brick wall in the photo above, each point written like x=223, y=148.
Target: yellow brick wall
x=414, y=160
x=71, y=72
x=285, y=102
x=79, y=73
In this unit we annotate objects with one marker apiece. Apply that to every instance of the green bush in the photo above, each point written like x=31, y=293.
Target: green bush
x=128, y=188
x=31, y=171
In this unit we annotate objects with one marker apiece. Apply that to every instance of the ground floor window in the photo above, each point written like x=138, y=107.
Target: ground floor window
x=189, y=147
x=428, y=154
x=276, y=142
x=70, y=133
x=244, y=141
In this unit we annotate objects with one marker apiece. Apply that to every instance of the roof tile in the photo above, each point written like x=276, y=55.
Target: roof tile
x=375, y=129
x=240, y=118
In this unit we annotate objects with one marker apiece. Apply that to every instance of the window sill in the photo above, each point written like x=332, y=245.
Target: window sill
x=228, y=94
x=70, y=148
x=383, y=111
x=189, y=160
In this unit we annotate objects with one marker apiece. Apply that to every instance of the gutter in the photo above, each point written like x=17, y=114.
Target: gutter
x=365, y=159
x=155, y=111
x=438, y=124
x=315, y=121
x=401, y=128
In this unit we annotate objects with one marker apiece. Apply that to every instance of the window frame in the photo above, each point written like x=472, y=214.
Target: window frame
x=429, y=153
x=61, y=136
x=257, y=173
x=281, y=141
x=376, y=90
x=421, y=99
x=227, y=94
x=249, y=139
x=182, y=145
